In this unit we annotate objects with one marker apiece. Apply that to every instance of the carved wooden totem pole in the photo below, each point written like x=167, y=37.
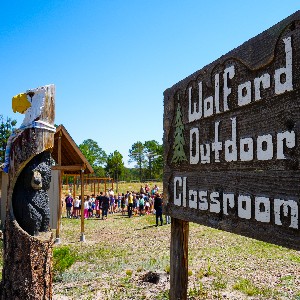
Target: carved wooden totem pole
x=27, y=270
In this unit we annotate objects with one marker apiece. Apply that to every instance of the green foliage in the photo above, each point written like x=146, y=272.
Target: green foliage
x=295, y=258
x=198, y=291
x=167, y=269
x=179, y=142
x=154, y=153
x=148, y=158
x=205, y=272
x=95, y=155
x=137, y=154
x=63, y=259
x=6, y=128
x=248, y=288
x=163, y=295
x=115, y=165
x=219, y=283
x=99, y=171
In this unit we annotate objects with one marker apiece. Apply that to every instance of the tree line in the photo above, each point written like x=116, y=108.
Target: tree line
x=147, y=157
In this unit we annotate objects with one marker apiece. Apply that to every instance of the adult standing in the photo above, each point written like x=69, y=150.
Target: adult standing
x=130, y=205
x=100, y=200
x=69, y=204
x=158, y=209
x=141, y=204
x=123, y=203
x=105, y=205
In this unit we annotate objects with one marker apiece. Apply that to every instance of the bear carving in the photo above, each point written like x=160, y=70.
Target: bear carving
x=30, y=200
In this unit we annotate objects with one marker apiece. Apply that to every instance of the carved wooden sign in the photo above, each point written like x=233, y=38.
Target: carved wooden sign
x=232, y=140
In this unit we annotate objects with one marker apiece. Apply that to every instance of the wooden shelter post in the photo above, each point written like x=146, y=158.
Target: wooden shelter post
x=74, y=192
x=179, y=259
x=82, y=237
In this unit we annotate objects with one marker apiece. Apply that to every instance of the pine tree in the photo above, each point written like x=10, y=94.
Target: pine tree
x=6, y=128
x=178, y=154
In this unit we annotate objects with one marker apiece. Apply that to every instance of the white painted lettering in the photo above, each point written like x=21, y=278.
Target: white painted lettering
x=286, y=205
x=217, y=93
x=228, y=74
x=290, y=142
x=262, y=209
x=244, y=93
x=230, y=145
x=205, y=153
x=244, y=207
x=195, y=113
x=246, y=149
x=208, y=106
x=263, y=81
x=228, y=200
x=203, y=203
x=183, y=191
x=284, y=76
x=193, y=201
x=215, y=205
x=217, y=146
x=264, y=147
x=177, y=195
x=194, y=146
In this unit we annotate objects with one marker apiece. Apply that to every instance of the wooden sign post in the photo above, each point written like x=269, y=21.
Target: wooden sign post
x=232, y=146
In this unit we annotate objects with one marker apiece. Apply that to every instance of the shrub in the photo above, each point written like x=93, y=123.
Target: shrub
x=62, y=259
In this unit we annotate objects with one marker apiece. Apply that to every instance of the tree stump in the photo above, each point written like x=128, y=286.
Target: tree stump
x=28, y=241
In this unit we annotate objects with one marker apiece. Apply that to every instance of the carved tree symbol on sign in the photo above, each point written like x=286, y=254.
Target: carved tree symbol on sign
x=179, y=154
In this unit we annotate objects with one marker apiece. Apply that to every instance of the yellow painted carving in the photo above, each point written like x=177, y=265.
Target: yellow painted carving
x=20, y=103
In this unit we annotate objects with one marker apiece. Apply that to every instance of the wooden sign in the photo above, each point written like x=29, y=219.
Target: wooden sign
x=232, y=140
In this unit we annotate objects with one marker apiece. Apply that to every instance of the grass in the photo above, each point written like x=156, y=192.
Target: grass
x=62, y=260
x=250, y=289
x=120, y=251
x=198, y=292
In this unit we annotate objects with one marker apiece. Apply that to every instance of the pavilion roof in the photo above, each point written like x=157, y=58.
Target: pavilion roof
x=72, y=159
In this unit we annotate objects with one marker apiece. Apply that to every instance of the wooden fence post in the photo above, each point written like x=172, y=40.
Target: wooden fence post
x=179, y=259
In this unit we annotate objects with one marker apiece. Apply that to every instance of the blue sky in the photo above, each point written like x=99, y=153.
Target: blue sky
x=112, y=60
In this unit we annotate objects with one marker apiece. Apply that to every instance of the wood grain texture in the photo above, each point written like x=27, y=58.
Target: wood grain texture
x=179, y=259
x=274, y=114
x=27, y=269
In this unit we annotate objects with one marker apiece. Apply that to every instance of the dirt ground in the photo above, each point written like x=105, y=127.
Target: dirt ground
x=126, y=258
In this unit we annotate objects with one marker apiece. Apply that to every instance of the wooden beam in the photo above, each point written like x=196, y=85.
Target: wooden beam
x=179, y=259
x=68, y=168
x=98, y=178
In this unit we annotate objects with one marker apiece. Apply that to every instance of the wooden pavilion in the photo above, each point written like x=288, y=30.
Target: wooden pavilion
x=69, y=160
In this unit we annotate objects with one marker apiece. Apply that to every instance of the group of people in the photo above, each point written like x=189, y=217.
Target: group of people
x=132, y=203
